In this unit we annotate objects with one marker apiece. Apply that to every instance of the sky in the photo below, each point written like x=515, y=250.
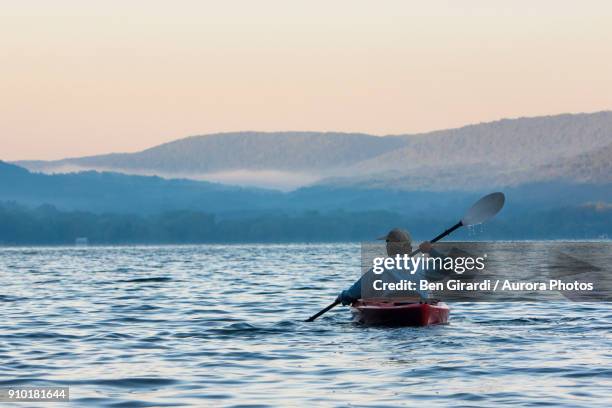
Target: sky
x=82, y=78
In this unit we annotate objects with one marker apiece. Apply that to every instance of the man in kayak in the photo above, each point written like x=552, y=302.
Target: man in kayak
x=398, y=243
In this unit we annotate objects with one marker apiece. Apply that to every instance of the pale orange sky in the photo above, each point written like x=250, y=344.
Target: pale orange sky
x=79, y=78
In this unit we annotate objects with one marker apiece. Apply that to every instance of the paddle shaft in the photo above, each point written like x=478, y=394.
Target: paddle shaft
x=328, y=308
x=439, y=237
x=337, y=302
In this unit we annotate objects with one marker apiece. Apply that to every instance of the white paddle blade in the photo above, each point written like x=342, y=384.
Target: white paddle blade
x=484, y=209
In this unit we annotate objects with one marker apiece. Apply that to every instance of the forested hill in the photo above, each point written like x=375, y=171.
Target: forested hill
x=115, y=192
x=120, y=193
x=116, y=208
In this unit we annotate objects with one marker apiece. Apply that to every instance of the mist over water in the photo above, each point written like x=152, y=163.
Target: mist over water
x=222, y=325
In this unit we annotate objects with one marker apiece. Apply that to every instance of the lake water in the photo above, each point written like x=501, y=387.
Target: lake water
x=222, y=326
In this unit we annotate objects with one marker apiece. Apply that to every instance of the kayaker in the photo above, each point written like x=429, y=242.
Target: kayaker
x=398, y=242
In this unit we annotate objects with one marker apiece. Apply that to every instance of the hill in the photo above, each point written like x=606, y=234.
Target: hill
x=507, y=152
x=115, y=192
x=119, y=208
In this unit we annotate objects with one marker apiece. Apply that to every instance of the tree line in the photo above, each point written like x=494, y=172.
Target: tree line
x=46, y=225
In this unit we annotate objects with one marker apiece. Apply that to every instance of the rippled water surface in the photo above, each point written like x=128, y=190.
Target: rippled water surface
x=222, y=326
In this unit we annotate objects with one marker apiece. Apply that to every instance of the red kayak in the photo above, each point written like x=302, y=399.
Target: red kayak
x=399, y=313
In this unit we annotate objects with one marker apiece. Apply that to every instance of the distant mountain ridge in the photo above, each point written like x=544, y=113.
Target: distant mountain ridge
x=508, y=152
x=282, y=151
x=503, y=153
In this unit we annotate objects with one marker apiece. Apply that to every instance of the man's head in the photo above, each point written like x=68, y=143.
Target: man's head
x=398, y=242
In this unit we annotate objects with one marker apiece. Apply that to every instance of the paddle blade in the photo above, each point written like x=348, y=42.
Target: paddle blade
x=484, y=209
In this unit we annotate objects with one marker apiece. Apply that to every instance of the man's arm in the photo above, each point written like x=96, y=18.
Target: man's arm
x=348, y=296
x=437, y=273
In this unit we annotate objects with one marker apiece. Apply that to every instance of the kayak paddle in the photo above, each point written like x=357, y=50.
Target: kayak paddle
x=481, y=211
